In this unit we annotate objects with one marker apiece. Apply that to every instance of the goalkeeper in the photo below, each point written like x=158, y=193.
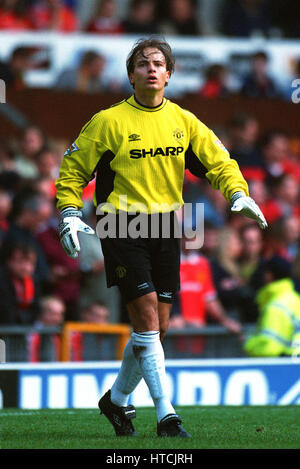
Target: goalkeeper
x=139, y=149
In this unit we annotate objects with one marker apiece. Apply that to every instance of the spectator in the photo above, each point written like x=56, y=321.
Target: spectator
x=215, y=206
x=7, y=163
x=263, y=193
x=285, y=197
x=53, y=15
x=106, y=20
x=96, y=313
x=181, y=18
x=211, y=240
x=279, y=308
x=29, y=211
x=51, y=313
x=19, y=288
x=47, y=163
x=47, y=347
x=13, y=15
x=93, y=287
x=215, y=85
x=277, y=157
x=225, y=268
x=45, y=187
x=250, y=260
x=244, y=18
x=32, y=142
x=93, y=346
x=12, y=72
x=87, y=78
x=141, y=18
x=65, y=272
x=198, y=296
x=244, y=130
x=258, y=83
x=5, y=208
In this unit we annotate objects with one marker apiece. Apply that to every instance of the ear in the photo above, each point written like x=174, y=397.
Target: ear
x=167, y=78
x=131, y=80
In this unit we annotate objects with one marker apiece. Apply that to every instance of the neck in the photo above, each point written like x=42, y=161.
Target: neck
x=149, y=100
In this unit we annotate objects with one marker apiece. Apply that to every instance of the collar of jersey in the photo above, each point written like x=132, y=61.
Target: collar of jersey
x=133, y=102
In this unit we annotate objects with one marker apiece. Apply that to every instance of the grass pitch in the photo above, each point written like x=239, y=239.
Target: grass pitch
x=211, y=427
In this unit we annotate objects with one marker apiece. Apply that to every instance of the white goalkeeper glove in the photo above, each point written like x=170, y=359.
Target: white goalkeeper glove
x=70, y=224
x=246, y=206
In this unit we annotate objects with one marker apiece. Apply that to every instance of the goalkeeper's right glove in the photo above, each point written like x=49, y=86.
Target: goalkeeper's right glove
x=69, y=225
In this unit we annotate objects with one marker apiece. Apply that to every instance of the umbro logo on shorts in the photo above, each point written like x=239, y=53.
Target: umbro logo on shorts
x=134, y=137
x=142, y=286
x=166, y=294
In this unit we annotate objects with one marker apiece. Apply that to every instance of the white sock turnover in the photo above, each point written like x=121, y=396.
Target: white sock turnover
x=128, y=377
x=148, y=351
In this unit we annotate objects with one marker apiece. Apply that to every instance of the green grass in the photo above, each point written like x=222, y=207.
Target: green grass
x=211, y=428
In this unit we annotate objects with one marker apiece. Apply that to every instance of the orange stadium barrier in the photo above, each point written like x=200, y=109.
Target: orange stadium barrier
x=123, y=332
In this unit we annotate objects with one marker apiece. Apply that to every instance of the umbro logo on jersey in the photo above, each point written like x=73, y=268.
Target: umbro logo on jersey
x=134, y=138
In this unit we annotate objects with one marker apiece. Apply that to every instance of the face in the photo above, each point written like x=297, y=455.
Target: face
x=289, y=190
x=33, y=141
x=150, y=73
x=53, y=313
x=291, y=230
x=97, y=314
x=252, y=242
x=234, y=245
x=22, y=265
x=47, y=164
x=277, y=149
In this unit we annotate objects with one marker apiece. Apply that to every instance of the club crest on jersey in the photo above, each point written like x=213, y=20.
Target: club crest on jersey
x=178, y=134
x=134, y=137
x=72, y=148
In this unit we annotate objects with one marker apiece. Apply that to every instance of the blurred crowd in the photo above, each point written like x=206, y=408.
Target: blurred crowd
x=40, y=285
x=233, y=18
x=248, y=75
x=251, y=78
x=34, y=265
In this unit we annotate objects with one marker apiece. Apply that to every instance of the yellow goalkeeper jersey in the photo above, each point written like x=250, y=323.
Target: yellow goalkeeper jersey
x=139, y=155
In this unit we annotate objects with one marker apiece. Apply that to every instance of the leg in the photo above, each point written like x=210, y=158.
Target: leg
x=148, y=350
x=164, y=316
x=130, y=374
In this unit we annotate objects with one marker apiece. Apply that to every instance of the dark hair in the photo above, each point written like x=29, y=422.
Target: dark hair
x=240, y=119
x=279, y=267
x=17, y=246
x=269, y=136
x=89, y=57
x=159, y=44
x=261, y=54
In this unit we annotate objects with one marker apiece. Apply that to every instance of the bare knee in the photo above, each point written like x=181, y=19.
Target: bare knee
x=143, y=313
x=163, y=330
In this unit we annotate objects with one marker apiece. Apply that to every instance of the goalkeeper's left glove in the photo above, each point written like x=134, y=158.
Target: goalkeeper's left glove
x=70, y=224
x=246, y=206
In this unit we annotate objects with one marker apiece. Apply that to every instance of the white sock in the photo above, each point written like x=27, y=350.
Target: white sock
x=148, y=351
x=128, y=377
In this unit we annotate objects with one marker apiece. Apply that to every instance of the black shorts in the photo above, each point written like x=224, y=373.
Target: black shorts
x=144, y=264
